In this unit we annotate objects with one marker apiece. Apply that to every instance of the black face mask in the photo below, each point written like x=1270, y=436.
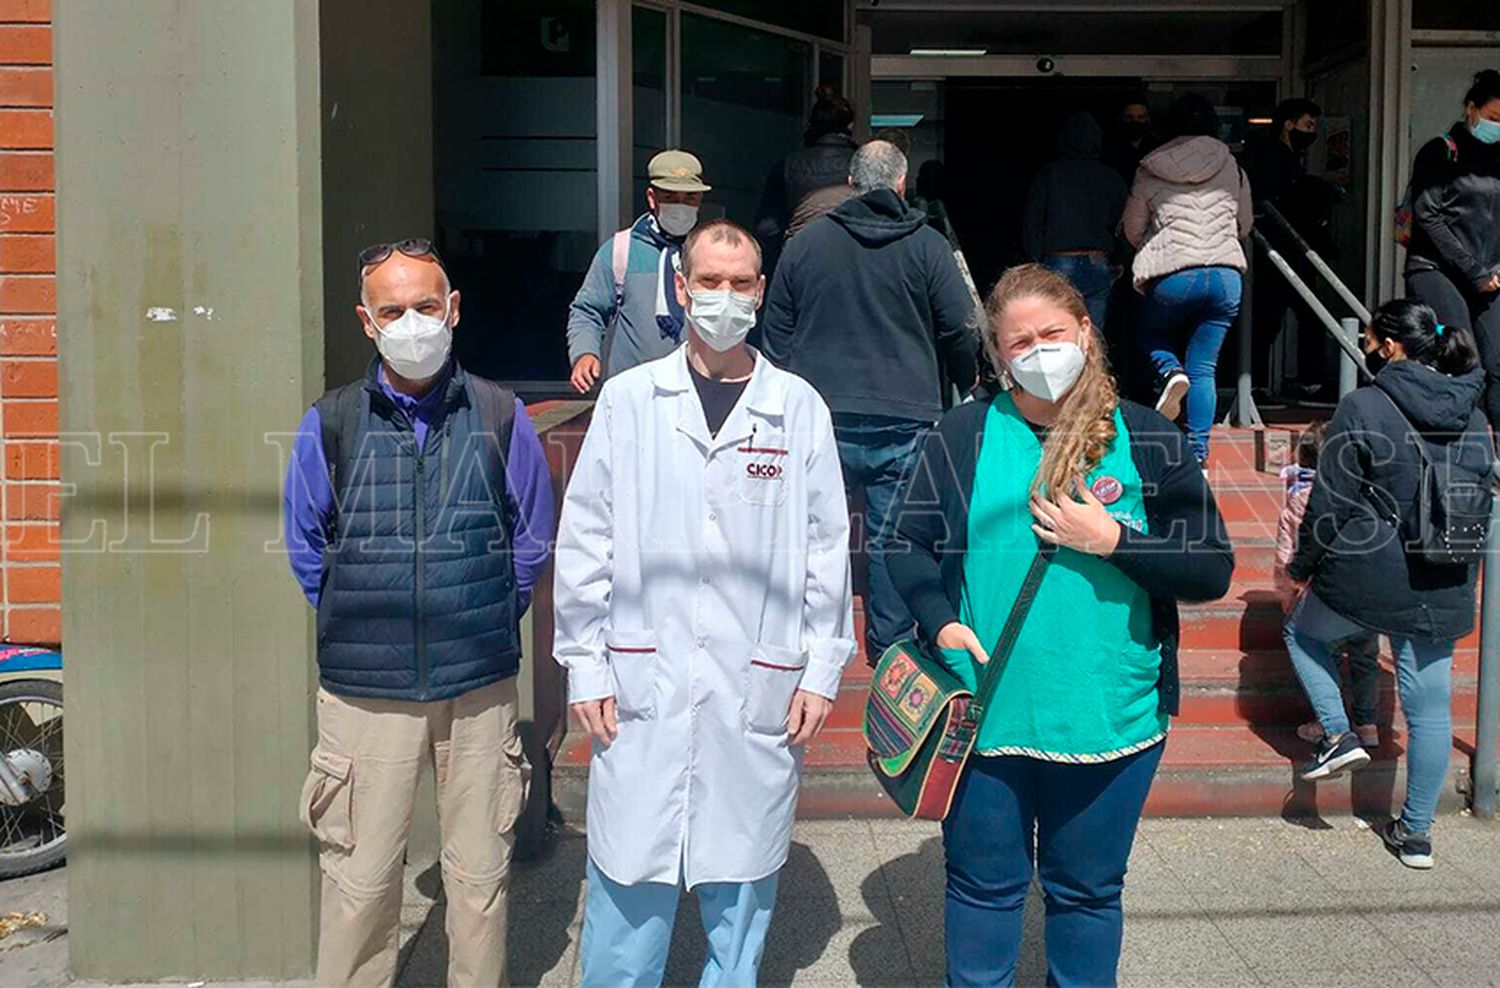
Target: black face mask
x=1302, y=140
x=1375, y=361
x=1135, y=130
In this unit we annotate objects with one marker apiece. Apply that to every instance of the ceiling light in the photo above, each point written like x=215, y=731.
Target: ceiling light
x=951, y=52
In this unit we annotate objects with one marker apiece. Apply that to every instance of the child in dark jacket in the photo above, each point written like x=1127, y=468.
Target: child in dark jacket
x=1362, y=651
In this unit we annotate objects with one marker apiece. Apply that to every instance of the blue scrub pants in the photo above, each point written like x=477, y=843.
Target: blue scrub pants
x=627, y=930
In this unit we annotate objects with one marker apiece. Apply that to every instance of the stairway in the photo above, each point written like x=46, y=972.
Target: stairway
x=1233, y=749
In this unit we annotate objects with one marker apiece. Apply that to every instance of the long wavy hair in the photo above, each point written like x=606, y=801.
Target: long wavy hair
x=1085, y=425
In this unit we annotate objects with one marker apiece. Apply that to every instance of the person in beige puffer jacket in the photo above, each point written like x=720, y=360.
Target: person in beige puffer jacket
x=1187, y=213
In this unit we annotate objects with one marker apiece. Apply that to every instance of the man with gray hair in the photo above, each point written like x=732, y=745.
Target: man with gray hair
x=868, y=306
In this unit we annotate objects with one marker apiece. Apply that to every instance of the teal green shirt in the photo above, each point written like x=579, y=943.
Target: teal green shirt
x=1081, y=684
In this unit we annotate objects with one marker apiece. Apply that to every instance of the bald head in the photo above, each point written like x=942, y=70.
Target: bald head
x=399, y=283
x=878, y=165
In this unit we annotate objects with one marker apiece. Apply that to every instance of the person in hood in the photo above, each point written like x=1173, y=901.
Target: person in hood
x=1072, y=212
x=1067, y=750
x=1354, y=570
x=868, y=306
x=1186, y=215
x=811, y=180
x=626, y=311
x=1453, y=260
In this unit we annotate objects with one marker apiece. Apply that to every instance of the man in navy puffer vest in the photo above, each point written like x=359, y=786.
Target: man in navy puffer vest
x=419, y=514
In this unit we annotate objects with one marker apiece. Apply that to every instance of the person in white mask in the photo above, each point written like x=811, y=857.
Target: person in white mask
x=704, y=615
x=626, y=311
x=1066, y=752
x=418, y=517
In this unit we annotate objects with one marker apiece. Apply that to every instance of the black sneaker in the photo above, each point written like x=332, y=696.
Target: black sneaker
x=1414, y=850
x=1335, y=757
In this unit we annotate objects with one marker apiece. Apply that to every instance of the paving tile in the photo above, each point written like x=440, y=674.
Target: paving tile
x=544, y=943
x=1287, y=942
x=1361, y=862
x=1247, y=859
x=1458, y=977
x=1238, y=978
x=1396, y=975
x=1178, y=939
x=1438, y=933
x=836, y=878
x=557, y=877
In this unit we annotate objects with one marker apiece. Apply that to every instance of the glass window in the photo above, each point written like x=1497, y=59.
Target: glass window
x=824, y=18
x=831, y=70
x=745, y=96
x=649, y=51
x=1079, y=33
x=515, y=168
x=1454, y=15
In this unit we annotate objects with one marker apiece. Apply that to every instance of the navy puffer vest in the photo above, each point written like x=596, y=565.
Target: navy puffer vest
x=419, y=590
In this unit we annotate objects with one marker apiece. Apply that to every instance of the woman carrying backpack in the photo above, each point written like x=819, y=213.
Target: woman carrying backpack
x=1368, y=540
x=1453, y=258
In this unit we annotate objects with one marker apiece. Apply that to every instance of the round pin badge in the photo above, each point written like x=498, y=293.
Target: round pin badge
x=1107, y=489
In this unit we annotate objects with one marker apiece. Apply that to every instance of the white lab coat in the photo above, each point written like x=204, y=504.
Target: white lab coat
x=701, y=581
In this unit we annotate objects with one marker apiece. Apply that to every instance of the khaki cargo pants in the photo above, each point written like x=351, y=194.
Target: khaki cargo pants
x=358, y=802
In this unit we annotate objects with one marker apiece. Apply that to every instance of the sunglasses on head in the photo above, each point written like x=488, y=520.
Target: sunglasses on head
x=411, y=247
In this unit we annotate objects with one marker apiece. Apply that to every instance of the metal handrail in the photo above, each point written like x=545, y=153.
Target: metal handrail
x=1314, y=258
x=1483, y=775
x=1332, y=325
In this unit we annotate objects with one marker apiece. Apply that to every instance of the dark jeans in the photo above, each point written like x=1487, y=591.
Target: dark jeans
x=1186, y=317
x=877, y=452
x=1094, y=278
x=1081, y=820
x=1463, y=306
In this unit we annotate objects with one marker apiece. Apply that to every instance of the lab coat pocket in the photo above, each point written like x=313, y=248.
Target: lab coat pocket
x=774, y=675
x=633, y=665
x=763, y=465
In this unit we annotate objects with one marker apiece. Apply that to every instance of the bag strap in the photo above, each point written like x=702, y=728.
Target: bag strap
x=497, y=416
x=989, y=679
x=620, y=262
x=1421, y=443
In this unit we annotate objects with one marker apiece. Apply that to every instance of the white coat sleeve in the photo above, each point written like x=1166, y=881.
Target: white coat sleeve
x=585, y=564
x=828, y=610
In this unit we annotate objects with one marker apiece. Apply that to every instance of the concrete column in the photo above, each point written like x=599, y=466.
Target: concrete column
x=190, y=269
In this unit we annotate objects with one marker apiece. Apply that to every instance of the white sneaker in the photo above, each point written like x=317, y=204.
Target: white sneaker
x=1172, y=393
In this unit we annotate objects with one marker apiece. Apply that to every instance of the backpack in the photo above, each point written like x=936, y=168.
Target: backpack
x=620, y=260
x=338, y=415
x=1450, y=516
x=1404, y=208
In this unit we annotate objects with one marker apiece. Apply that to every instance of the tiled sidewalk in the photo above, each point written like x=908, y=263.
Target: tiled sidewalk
x=1208, y=902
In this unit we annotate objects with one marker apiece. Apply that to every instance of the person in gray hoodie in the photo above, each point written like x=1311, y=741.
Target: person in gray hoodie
x=1186, y=215
x=1073, y=211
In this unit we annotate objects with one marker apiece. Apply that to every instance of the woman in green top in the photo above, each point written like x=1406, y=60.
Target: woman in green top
x=1070, y=744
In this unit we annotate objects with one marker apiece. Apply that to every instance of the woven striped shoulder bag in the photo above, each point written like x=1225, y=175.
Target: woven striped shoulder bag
x=921, y=720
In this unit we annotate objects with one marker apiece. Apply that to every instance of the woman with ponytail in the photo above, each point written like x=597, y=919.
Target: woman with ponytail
x=1068, y=748
x=1453, y=260
x=1355, y=569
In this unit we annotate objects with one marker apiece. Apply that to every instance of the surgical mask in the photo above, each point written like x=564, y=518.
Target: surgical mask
x=722, y=319
x=1302, y=139
x=415, y=346
x=1485, y=131
x=1048, y=370
x=676, y=219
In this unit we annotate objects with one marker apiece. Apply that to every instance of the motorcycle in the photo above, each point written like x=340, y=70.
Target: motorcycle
x=32, y=832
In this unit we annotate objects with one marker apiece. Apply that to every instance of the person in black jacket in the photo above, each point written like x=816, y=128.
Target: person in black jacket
x=1073, y=211
x=1353, y=561
x=1066, y=753
x=868, y=306
x=811, y=180
x=1453, y=260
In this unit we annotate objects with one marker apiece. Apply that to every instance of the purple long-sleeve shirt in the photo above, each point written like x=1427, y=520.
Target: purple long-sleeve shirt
x=308, y=495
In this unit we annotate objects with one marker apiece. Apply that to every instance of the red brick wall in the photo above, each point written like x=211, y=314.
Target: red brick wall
x=29, y=573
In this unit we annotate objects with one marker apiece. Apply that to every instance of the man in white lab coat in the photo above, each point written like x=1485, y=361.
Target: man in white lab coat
x=704, y=615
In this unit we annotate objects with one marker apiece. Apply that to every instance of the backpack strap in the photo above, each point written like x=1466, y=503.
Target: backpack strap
x=1452, y=146
x=338, y=417
x=620, y=261
x=497, y=416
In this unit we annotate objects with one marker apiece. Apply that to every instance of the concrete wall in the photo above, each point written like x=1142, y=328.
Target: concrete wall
x=190, y=286
x=377, y=151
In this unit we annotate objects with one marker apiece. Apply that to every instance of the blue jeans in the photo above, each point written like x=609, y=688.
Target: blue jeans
x=1189, y=313
x=1081, y=820
x=1093, y=276
x=877, y=453
x=1423, y=679
x=627, y=930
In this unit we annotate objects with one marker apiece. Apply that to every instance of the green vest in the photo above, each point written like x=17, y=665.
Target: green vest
x=1081, y=684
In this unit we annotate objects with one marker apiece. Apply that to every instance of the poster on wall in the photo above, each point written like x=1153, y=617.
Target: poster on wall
x=1337, y=159
x=537, y=38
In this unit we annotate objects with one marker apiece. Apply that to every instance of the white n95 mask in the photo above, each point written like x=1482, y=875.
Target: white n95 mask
x=722, y=319
x=415, y=346
x=676, y=219
x=1048, y=370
